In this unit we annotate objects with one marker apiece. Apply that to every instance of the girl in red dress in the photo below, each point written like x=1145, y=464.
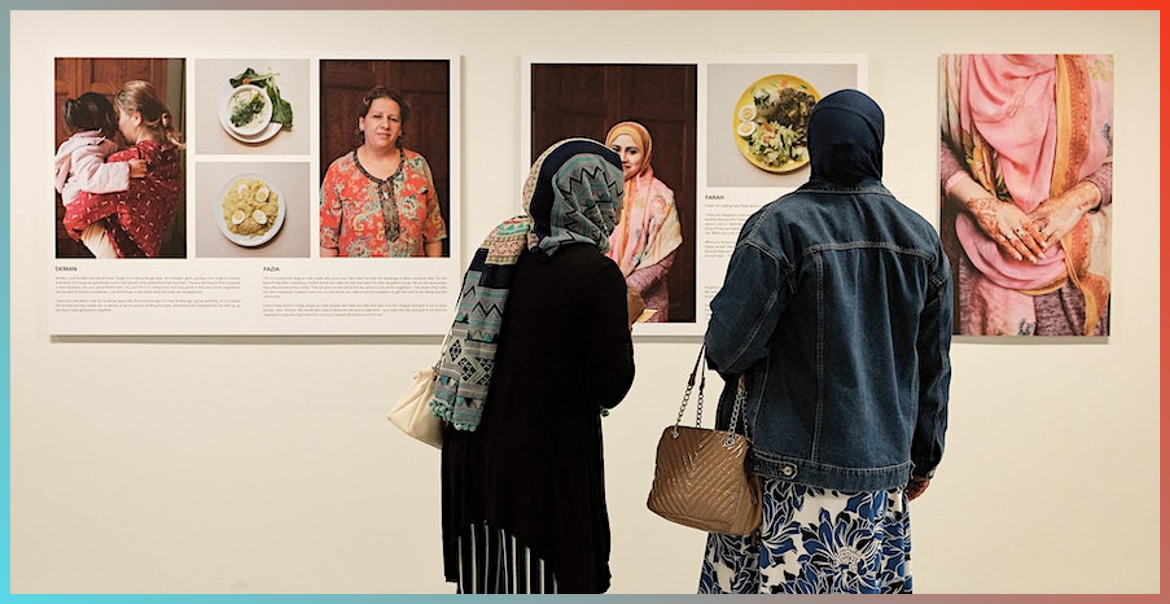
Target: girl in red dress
x=136, y=219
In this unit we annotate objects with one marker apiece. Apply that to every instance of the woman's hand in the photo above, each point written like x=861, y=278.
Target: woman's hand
x=1015, y=232
x=916, y=486
x=1056, y=216
x=137, y=168
x=1009, y=227
x=634, y=305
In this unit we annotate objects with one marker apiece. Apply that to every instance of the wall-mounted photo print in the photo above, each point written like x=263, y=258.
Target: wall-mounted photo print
x=118, y=170
x=704, y=144
x=757, y=119
x=252, y=106
x=647, y=114
x=1026, y=165
x=211, y=162
x=252, y=209
x=385, y=158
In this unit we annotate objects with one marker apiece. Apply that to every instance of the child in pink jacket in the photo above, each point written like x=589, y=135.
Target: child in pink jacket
x=80, y=163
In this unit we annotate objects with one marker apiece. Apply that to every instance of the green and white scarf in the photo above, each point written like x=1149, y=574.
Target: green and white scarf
x=572, y=194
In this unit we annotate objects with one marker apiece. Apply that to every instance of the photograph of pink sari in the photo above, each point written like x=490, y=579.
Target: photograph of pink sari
x=1027, y=128
x=645, y=240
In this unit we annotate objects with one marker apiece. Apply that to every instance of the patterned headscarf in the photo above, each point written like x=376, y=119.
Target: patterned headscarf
x=572, y=194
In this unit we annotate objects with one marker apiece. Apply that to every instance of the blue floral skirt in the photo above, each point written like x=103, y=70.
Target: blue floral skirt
x=815, y=540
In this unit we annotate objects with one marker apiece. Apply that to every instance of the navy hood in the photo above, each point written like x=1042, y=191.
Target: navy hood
x=845, y=135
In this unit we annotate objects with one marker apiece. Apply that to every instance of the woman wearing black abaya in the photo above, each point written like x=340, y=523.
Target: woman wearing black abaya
x=540, y=350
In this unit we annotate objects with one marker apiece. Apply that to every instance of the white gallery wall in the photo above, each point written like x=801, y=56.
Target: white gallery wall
x=265, y=464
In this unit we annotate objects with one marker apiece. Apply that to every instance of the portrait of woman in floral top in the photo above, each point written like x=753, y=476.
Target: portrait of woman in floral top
x=379, y=200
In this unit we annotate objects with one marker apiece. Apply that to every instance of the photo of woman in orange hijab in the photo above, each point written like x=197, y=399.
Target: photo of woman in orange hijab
x=648, y=236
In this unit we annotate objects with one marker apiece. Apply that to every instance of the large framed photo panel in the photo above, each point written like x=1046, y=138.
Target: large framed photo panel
x=1026, y=178
x=713, y=139
x=266, y=195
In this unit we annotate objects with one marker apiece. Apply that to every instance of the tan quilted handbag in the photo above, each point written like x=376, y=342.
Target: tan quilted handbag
x=701, y=476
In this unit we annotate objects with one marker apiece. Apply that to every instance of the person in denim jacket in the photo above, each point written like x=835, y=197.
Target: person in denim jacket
x=837, y=312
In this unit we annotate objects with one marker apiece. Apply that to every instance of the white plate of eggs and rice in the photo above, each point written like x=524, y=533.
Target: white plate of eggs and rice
x=250, y=210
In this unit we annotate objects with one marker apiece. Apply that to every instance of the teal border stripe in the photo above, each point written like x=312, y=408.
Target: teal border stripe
x=6, y=246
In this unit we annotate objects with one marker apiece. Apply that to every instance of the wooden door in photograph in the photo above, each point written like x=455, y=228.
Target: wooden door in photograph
x=587, y=99
x=73, y=77
x=425, y=84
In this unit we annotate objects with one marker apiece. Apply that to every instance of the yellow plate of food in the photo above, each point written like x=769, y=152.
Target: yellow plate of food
x=250, y=210
x=770, y=123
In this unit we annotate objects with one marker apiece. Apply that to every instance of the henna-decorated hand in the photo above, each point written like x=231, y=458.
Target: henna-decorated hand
x=1056, y=216
x=1015, y=232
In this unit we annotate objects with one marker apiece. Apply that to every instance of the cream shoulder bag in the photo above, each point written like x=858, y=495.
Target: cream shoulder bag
x=412, y=411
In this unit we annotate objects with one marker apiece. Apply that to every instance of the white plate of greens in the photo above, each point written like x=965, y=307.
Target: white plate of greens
x=242, y=125
x=253, y=110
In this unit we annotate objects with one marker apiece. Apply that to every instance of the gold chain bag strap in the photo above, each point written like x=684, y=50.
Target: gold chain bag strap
x=701, y=475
